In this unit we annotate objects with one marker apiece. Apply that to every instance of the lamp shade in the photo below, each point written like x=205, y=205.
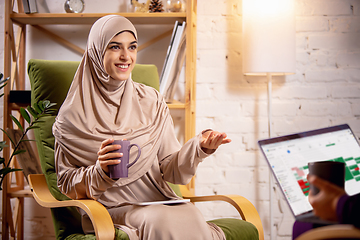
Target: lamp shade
x=268, y=37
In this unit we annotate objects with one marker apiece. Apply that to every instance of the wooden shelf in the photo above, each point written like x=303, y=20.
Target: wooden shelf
x=21, y=193
x=176, y=105
x=15, y=67
x=90, y=18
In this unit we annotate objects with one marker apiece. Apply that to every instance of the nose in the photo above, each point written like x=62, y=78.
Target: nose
x=124, y=55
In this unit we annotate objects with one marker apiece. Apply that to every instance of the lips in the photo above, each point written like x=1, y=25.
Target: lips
x=123, y=66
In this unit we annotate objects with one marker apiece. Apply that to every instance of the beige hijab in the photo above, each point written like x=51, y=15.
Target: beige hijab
x=98, y=107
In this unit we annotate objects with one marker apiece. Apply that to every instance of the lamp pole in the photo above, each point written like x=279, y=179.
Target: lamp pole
x=271, y=184
x=268, y=49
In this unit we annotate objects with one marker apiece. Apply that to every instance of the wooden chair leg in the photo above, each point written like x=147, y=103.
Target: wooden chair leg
x=9, y=219
x=19, y=218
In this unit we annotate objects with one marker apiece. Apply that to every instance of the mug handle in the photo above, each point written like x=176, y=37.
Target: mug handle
x=139, y=153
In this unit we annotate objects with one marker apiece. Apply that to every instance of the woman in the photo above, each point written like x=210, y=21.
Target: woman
x=104, y=104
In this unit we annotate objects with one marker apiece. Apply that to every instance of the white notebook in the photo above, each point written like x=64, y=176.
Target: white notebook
x=166, y=202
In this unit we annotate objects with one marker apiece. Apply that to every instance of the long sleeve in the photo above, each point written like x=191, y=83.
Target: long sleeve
x=348, y=210
x=180, y=167
x=80, y=182
x=178, y=164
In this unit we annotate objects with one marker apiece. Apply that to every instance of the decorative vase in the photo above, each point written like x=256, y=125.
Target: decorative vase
x=175, y=6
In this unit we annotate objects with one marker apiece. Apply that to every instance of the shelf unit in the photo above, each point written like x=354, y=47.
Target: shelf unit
x=15, y=68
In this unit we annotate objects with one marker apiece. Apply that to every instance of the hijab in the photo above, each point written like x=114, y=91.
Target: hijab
x=98, y=107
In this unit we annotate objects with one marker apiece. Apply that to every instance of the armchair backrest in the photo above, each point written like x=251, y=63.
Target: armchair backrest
x=50, y=80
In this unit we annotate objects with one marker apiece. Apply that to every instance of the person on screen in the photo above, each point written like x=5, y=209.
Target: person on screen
x=332, y=204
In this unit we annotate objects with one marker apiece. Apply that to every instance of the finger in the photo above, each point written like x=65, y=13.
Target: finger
x=106, y=142
x=109, y=162
x=104, y=164
x=311, y=197
x=209, y=139
x=212, y=141
x=314, y=199
x=225, y=141
x=217, y=140
x=110, y=156
x=222, y=139
x=318, y=182
x=108, y=148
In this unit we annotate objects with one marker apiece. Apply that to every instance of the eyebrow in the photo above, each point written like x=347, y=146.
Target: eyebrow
x=121, y=43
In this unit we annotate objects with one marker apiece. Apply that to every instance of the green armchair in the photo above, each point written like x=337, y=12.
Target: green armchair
x=50, y=80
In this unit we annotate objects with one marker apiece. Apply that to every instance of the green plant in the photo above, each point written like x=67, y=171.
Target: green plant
x=32, y=115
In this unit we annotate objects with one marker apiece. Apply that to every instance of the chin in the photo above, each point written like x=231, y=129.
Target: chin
x=122, y=78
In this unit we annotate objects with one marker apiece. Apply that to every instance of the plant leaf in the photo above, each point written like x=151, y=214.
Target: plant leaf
x=25, y=115
x=4, y=80
x=48, y=113
x=2, y=86
x=7, y=170
x=12, y=141
x=28, y=140
x=39, y=121
x=19, y=151
x=33, y=127
x=32, y=111
x=41, y=105
x=3, y=144
x=52, y=104
x=36, y=106
x=17, y=123
x=46, y=103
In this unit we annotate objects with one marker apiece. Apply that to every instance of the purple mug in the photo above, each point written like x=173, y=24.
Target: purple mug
x=121, y=170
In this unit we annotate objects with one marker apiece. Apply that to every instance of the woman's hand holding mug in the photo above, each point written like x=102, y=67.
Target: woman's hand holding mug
x=107, y=156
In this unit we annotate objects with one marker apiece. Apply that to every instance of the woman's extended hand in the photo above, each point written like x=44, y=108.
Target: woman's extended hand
x=211, y=140
x=325, y=202
x=105, y=155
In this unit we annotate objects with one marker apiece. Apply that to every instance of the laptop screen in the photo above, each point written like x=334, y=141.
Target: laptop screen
x=288, y=157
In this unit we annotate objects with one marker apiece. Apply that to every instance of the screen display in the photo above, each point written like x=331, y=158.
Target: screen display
x=289, y=159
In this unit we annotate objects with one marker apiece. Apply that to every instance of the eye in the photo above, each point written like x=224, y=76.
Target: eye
x=133, y=47
x=114, y=47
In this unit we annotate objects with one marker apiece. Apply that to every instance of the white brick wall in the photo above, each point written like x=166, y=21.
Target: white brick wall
x=324, y=91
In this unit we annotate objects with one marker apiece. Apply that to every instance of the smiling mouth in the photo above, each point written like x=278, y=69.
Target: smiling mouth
x=122, y=66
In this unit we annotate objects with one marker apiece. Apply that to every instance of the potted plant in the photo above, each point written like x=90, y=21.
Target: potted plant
x=32, y=115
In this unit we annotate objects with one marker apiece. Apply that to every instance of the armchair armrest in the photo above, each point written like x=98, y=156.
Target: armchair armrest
x=338, y=231
x=245, y=208
x=100, y=217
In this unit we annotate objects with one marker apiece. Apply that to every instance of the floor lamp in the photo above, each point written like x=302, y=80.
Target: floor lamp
x=268, y=48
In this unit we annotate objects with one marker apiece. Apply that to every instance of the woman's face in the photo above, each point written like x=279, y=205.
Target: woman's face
x=120, y=56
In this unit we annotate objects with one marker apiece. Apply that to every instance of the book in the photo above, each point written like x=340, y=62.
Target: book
x=30, y=6
x=176, y=69
x=26, y=6
x=173, y=61
x=33, y=6
x=168, y=50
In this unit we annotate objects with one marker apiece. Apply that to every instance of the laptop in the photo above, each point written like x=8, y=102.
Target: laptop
x=288, y=158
